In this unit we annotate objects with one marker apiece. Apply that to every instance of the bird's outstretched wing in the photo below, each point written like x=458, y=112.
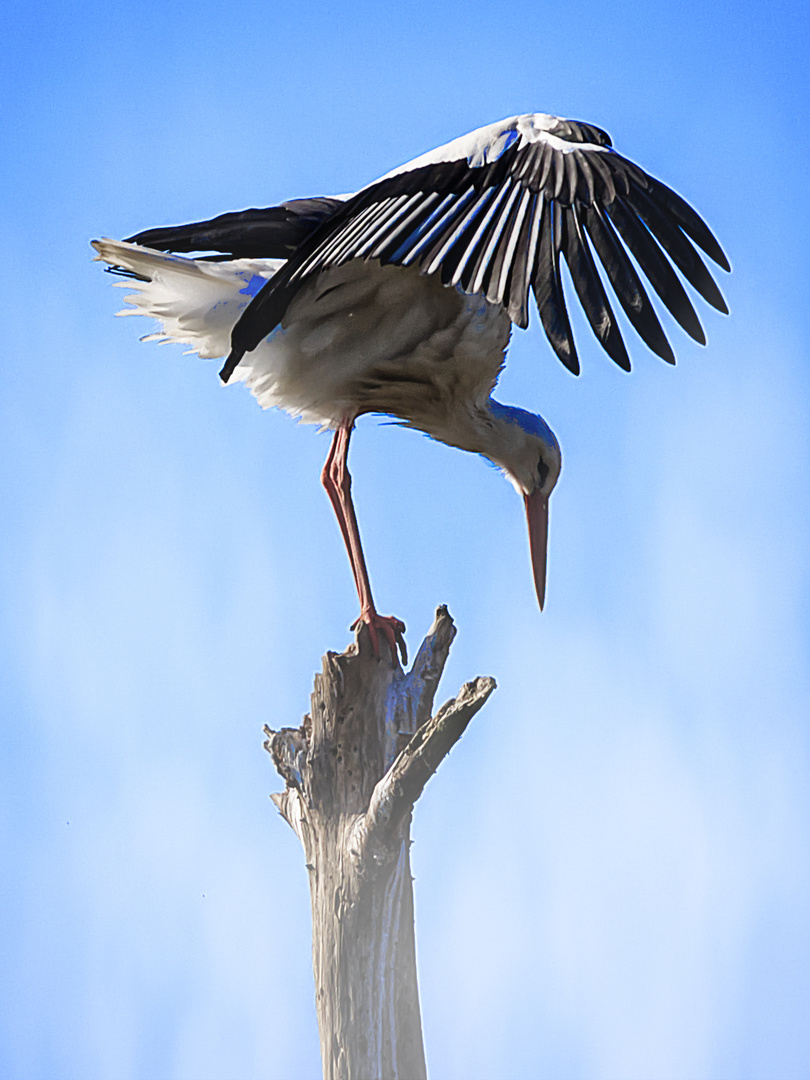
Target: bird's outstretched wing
x=271, y=233
x=494, y=211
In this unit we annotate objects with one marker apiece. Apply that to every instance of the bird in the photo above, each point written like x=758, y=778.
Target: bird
x=400, y=299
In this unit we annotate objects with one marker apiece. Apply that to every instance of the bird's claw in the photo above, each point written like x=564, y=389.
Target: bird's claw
x=392, y=628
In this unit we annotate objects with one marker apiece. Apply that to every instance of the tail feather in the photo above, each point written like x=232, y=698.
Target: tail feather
x=196, y=302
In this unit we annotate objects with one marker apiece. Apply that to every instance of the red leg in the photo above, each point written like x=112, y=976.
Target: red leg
x=337, y=480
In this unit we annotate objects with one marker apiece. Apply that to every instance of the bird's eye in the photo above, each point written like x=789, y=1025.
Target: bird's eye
x=542, y=471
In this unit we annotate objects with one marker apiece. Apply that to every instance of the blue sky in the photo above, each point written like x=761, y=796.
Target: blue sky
x=612, y=867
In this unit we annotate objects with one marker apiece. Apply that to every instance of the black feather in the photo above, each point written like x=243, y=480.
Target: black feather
x=468, y=224
x=332, y=250
x=585, y=186
x=438, y=225
x=407, y=232
x=604, y=187
x=548, y=290
x=530, y=165
x=545, y=167
x=580, y=132
x=678, y=247
x=476, y=270
x=690, y=221
x=271, y=233
x=492, y=284
x=658, y=270
x=626, y=282
x=523, y=263
x=590, y=290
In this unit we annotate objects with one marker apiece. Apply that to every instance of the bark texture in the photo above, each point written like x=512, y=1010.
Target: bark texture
x=353, y=771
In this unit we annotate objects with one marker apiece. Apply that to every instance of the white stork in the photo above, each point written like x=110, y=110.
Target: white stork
x=400, y=299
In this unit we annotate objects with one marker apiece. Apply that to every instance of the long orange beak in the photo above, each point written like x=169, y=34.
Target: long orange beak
x=537, y=517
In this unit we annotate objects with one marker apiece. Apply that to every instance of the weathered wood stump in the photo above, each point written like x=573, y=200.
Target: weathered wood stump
x=354, y=770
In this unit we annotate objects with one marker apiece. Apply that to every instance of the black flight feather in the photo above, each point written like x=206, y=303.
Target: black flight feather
x=590, y=290
x=271, y=233
x=548, y=290
x=626, y=282
x=658, y=270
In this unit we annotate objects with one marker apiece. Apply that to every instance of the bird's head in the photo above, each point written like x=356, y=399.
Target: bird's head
x=529, y=455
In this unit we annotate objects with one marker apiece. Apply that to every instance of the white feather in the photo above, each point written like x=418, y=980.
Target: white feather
x=196, y=302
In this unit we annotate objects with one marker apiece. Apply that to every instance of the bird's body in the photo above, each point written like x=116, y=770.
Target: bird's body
x=400, y=299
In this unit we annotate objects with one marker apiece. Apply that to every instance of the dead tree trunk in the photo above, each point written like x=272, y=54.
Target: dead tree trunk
x=354, y=770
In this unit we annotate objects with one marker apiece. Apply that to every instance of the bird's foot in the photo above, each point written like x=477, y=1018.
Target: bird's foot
x=391, y=628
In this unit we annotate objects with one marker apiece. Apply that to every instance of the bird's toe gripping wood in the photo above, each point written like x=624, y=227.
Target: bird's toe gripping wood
x=392, y=629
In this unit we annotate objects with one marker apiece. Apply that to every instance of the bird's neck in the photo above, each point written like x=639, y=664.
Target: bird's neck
x=500, y=433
